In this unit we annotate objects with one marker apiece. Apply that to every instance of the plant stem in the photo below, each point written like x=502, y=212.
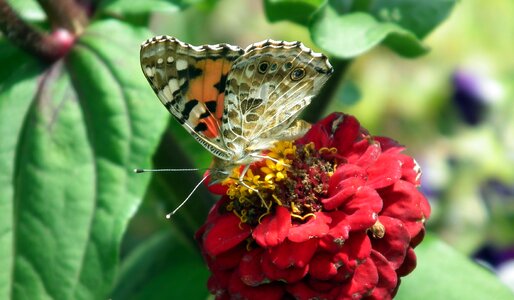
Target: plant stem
x=67, y=14
x=27, y=37
x=322, y=100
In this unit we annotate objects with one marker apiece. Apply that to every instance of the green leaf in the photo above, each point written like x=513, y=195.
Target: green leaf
x=126, y=7
x=167, y=266
x=349, y=93
x=29, y=10
x=419, y=17
x=70, y=142
x=297, y=11
x=18, y=88
x=443, y=273
x=129, y=7
x=348, y=35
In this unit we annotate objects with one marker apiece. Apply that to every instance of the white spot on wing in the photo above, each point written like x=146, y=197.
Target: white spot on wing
x=167, y=93
x=173, y=85
x=181, y=64
x=160, y=61
x=148, y=71
x=170, y=59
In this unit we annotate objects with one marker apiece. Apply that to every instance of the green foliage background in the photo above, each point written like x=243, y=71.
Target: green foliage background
x=76, y=223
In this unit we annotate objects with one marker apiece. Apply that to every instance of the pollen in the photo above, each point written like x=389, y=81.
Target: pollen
x=290, y=175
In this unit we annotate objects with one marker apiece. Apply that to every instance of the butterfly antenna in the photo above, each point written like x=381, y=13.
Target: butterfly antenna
x=164, y=170
x=168, y=216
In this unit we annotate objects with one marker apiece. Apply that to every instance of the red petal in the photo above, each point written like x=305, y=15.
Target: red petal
x=273, y=272
x=338, y=181
x=385, y=171
x=216, y=188
x=229, y=259
x=343, y=194
x=393, y=246
x=239, y=290
x=273, y=229
x=346, y=133
x=387, y=278
x=315, y=227
x=302, y=291
x=338, y=233
x=409, y=264
x=403, y=201
x=411, y=172
x=365, y=199
x=289, y=254
x=250, y=268
x=320, y=133
x=225, y=234
x=357, y=247
x=322, y=266
x=364, y=154
x=388, y=145
x=218, y=282
x=363, y=281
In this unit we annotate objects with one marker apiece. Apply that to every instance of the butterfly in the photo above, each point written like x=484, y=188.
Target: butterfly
x=234, y=102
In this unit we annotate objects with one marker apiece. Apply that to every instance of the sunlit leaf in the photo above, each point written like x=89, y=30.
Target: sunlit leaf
x=419, y=17
x=298, y=11
x=348, y=35
x=70, y=141
x=443, y=273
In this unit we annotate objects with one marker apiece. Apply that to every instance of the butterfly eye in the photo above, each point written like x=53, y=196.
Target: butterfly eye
x=297, y=74
x=263, y=67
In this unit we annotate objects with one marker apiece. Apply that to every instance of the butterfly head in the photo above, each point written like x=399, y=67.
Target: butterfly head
x=220, y=170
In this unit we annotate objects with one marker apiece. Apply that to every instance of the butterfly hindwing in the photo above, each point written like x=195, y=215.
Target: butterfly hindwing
x=190, y=82
x=267, y=88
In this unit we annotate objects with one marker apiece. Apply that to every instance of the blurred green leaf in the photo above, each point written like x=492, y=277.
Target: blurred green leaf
x=167, y=266
x=298, y=11
x=349, y=93
x=348, y=35
x=29, y=10
x=127, y=7
x=131, y=8
x=443, y=273
x=70, y=141
x=419, y=17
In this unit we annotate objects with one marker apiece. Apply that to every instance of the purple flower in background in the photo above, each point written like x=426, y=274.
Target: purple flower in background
x=473, y=93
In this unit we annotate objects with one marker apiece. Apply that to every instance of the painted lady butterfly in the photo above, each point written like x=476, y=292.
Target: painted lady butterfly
x=235, y=102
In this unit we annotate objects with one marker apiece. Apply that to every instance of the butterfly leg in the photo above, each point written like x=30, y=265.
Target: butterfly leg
x=241, y=179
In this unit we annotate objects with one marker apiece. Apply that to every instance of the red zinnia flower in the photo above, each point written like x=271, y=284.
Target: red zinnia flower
x=336, y=216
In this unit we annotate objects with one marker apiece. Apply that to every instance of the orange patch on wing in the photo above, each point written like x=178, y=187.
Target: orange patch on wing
x=203, y=89
x=212, y=127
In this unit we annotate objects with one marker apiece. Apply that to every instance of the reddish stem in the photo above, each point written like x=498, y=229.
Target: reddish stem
x=49, y=47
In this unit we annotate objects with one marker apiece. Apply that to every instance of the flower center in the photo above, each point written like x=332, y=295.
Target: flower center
x=293, y=176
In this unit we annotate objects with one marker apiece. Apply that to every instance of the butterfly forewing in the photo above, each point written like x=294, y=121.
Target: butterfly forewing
x=190, y=82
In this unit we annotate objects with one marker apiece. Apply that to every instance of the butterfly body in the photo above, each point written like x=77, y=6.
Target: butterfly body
x=236, y=103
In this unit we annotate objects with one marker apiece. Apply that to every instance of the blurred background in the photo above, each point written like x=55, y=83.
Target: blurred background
x=452, y=108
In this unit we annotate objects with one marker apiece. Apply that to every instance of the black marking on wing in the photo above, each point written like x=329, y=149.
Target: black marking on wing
x=190, y=72
x=220, y=86
x=200, y=127
x=188, y=107
x=211, y=106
